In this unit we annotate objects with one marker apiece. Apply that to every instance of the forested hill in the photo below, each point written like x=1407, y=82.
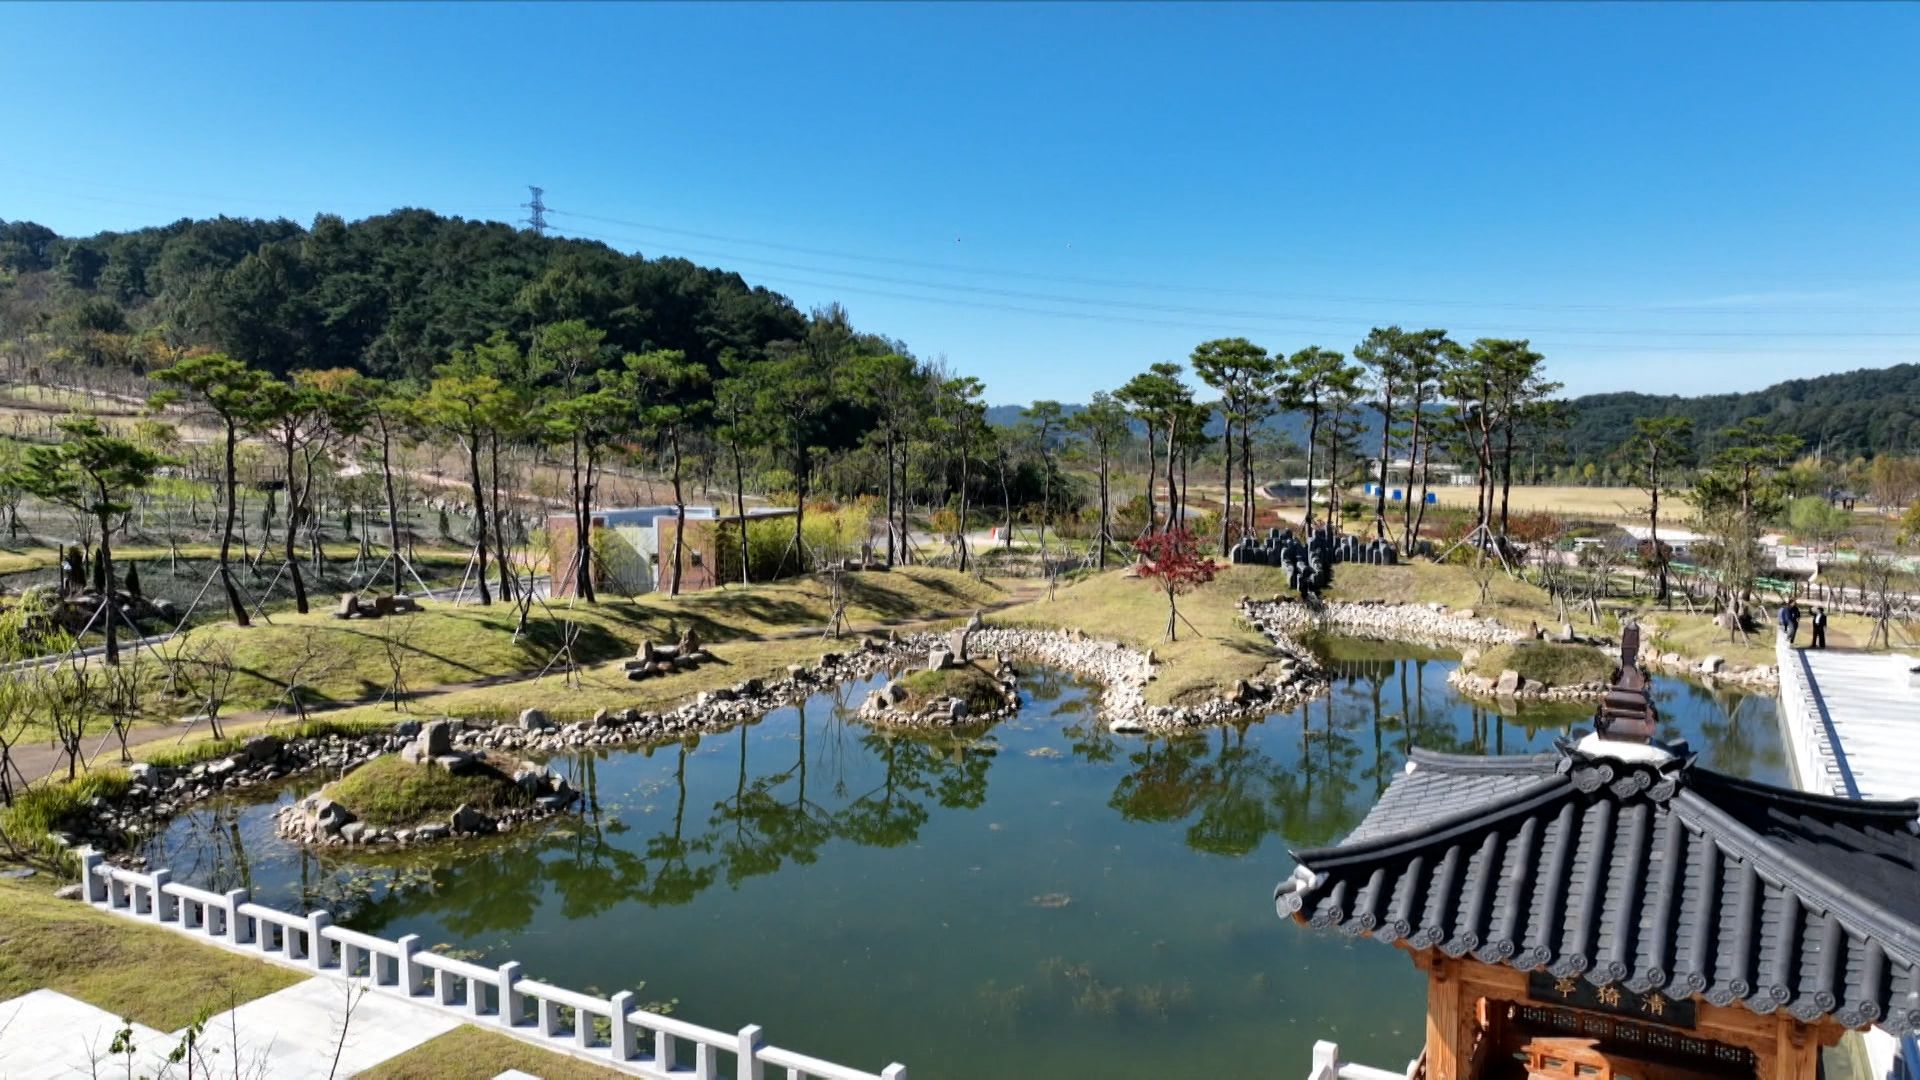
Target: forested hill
x=1873, y=410
x=392, y=294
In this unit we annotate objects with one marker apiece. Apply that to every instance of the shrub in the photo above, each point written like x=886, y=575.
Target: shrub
x=827, y=534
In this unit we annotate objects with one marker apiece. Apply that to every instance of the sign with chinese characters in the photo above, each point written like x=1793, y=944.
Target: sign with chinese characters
x=1574, y=992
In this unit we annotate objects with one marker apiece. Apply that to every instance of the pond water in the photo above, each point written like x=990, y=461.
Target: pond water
x=1046, y=897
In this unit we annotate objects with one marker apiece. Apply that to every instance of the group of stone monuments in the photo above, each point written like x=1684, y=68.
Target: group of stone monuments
x=654, y=659
x=1309, y=560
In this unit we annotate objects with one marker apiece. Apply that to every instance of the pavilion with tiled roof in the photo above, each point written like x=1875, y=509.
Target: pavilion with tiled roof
x=1615, y=909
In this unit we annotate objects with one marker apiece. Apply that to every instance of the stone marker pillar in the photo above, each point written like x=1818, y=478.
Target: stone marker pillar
x=410, y=971
x=317, y=947
x=93, y=886
x=157, y=898
x=750, y=1067
x=625, y=1047
x=239, y=927
x=512, y=1010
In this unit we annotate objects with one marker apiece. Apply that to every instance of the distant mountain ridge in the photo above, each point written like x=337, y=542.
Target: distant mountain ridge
x=1846, y=414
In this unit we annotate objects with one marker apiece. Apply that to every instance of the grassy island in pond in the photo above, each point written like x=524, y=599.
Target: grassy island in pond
x=390, y=791
x=1548, y=663
x=971, y=682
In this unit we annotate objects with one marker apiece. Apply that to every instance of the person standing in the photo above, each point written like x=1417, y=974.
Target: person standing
x=1790, y=620
x=1819, y=628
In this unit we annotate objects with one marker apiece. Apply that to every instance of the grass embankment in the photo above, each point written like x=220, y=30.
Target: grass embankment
x=1546, y=662
x=342, y=661
x=971, y=682
x=1214, y=647
x=1519, y=606
x=18, y=559
x=469, y=1053
x=152, y=976
x=388, y=791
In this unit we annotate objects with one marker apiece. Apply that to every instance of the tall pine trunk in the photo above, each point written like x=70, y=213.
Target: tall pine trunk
x=499, y=518
x=1386, y=455
x=479, y=518
x=226, y=532
x=964, y=493
x=890, y=497
x=293, y=534
x=393, y=506
x=1249, y=513
x=740, y=508
x=1152, y=460
x=1313, y=440
x=1106, y=513
x=679, y=512
x=1226, y=482
x=582, y=529
x=110, y=614
x=1173, y=493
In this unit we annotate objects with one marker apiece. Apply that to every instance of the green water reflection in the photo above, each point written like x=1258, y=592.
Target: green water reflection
x=1045, y=897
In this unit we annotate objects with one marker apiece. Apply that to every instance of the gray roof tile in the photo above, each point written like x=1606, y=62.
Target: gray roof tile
x=1656, y=876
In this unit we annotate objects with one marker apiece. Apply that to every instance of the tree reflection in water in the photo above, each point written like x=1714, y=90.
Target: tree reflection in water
x=1303, y=777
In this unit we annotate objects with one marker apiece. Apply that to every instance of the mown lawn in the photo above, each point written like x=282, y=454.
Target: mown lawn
x=388, y=791
x=1214, y=645
x=1546, y=662
x=346, y=661
x=471, y=1053
x=152, y=976
x=17, y=558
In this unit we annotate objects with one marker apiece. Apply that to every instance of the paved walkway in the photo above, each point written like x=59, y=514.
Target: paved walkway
x=1874, y=704
x=293, y=1033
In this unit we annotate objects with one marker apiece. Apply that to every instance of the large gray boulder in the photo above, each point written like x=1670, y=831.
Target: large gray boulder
x=468, y=820
x=329, y=816
x=534, y=720
x=1508, y=684
x=436, y=739
x=263, y=748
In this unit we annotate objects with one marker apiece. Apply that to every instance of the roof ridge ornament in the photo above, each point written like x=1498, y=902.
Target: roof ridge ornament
x=1627, y=713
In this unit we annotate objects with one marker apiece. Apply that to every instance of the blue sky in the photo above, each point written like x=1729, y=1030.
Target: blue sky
x=1684, y=197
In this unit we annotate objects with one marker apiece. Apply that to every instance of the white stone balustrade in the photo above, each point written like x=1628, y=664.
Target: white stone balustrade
x=1818, y=765
x=608, y=1031
x=1328, y=1066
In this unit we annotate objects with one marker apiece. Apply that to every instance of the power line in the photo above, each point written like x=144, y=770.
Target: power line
x=1250, y=327
x=1375, y=301
x=1262, y=317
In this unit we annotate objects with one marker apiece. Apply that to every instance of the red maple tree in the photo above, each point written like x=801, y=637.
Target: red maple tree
x=1173, y=559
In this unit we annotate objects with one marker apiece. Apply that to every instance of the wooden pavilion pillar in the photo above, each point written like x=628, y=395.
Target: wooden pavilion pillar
x=1453, y=1018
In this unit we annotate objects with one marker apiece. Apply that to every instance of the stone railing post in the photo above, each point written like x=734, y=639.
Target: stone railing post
x=162, y=903
x=239, y=928
x=317, y=947
x=90, y=880
x=894, y=1072
x=549, y=1018
x=750, y=1066
x=512, y=1010
x=624, y=1047
x=1326, y=1061
x=409, y=968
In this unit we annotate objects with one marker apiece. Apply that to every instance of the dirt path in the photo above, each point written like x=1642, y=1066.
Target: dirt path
x=42, y=761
